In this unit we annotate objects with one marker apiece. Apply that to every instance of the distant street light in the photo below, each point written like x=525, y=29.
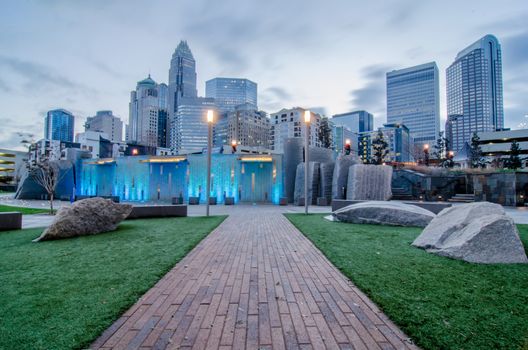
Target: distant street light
x=307, y=116
x=347, y=147
x=233, y=146
x=426, y=154
x=210, y=119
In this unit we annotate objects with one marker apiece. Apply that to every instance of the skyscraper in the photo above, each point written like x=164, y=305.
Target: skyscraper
x=143, y=115
x=182, y=84
x=231, y=92
x=474, y=91
x=190, y=129
x=106, y=122
x=59, y=125
x=413, y=99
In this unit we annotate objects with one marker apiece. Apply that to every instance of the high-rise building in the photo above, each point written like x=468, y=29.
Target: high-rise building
x=59, y=125
x=107, y=123
x=474, y=92
x=182, y=84
x=288, y=123
x=356, y=122
x=163, y=115
x=231, y=92
x=247, y=126
x=190, y=129
x=143, y=115
x=413, y=99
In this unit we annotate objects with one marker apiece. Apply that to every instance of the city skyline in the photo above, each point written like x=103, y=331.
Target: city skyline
x=99, y=74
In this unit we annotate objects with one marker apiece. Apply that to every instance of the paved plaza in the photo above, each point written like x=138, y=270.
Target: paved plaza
x=255, y=282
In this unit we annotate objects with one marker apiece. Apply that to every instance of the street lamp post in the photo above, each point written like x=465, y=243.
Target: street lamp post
x=426, y=154
x=306, y=158
x=210, y=117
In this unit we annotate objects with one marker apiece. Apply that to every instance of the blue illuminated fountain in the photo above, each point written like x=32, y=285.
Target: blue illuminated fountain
x=246, y=178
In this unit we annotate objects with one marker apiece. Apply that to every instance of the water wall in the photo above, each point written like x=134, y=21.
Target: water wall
x=251, y=178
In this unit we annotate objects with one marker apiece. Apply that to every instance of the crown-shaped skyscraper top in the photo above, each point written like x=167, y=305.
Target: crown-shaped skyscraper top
x=183, y=50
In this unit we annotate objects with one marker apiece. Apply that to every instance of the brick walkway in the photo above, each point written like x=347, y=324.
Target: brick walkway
x=255, y=282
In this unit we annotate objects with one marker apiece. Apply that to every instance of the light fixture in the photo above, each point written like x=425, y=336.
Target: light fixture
x=307, y=116
x=210, y=116
x=347, y=142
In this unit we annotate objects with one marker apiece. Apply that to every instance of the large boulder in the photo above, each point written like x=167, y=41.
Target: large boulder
x=313, y=183
x=369, y=182
x=86, y=217
x=384, y=213
x=478, y=232
x=340, y=176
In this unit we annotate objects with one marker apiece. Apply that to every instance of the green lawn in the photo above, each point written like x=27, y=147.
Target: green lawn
x=440, y=303
x=63, y=294
x=6, y=208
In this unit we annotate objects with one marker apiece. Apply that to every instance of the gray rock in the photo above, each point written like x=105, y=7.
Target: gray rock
x=325, y=184
x=313, y=181
x=384, y=213
x=339, y=179
x=478, y=232
x=86, y=217
x=369, y=182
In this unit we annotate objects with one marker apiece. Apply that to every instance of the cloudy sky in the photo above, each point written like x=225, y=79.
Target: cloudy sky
x=327, y=55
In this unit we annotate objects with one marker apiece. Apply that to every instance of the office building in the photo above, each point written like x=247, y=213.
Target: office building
x=231, y=92
x=143, y=113
x=340, y=135
x=190, y=129
x=474, y=92
x=11, y=166
x=288, y=123
x=399, y=143
x=105, y=122
x=413, y=99
x=59, y=125
x=356, y=122
x=247, y=126
x=182, y=84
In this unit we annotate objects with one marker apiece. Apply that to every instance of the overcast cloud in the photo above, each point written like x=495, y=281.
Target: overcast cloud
x=87, y=55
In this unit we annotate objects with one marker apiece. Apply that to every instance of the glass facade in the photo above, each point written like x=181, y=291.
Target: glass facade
x=358, y=121
x=413, y=99
x=231, y=92
x=143, y=113
x=190, y=127
x=474, y=92
x=59, y=125
x=182, y=84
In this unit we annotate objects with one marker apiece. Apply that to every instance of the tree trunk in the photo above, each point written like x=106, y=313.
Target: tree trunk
x=51, y=203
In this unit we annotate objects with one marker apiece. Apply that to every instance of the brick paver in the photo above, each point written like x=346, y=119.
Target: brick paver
x=255, y=282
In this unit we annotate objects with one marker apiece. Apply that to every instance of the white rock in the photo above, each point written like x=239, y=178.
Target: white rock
x=478, y=232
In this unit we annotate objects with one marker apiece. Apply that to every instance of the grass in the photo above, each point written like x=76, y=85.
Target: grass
x=63, y=294
x=7, y=208
x=439, y=302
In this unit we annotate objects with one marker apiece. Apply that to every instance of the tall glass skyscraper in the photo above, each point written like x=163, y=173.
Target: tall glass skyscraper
x=182, y=84
x=474, y=91
x=190, y=124
x=231, y=92
x=59, y=125
x=413, y=99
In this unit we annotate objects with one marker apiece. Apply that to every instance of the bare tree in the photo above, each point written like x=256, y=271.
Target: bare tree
x=46, y=173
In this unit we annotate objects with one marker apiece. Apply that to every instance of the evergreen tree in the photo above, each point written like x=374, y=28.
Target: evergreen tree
x=441, y=151
x=380, y=149
x=514, y=161
x=325, y=133
x=475, y=156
